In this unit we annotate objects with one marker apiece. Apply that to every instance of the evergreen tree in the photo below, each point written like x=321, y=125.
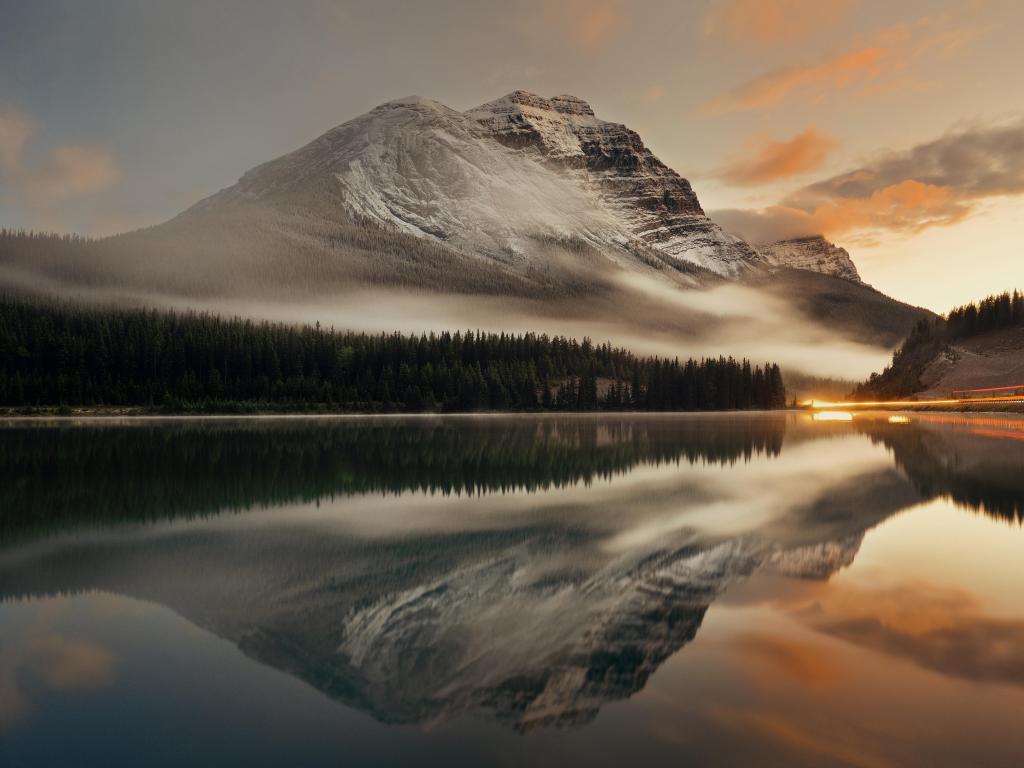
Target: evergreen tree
x=53, y=354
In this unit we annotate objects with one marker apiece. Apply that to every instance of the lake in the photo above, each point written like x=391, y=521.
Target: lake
x=657, y=589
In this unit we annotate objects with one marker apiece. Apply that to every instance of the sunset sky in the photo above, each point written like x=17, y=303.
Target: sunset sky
x=895, y=128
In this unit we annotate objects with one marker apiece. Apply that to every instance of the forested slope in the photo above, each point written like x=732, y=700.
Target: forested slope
x=933, y=338
x=63, y=354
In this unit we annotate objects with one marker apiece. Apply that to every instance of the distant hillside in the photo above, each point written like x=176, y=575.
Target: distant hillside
x=975, y=345
x=850, y=308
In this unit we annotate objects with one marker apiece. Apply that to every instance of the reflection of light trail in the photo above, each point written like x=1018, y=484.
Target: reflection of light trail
x=970, y=420
x=1002, y=429
x=1002, y=434
x=833, y=416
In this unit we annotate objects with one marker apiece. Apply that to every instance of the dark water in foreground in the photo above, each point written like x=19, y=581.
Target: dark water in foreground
x=593, y=590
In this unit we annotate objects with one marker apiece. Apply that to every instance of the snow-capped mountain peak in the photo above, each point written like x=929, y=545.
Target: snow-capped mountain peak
x=813, y=253
x=501, y=182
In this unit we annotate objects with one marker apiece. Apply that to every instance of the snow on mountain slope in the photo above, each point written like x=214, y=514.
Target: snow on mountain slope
x=815, y=254
x=430, y=171
x=501, y=180
x=646, y=198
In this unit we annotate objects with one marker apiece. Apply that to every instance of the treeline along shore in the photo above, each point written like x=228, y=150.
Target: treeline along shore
x=61, y=354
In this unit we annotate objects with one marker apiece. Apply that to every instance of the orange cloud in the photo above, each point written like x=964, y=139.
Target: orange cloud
x=768, y=90
x=588, y=23
x=69, y=663
x=916, y=608
x=937, y=183
x=74, y=170
x=69, y=170
x=15, y=128
x=880, y=67
x=939, y=628
x=773, y=21
x=773, y=160
x=652, y=93
x=774, y=657
x=41, y=653
x=909, y=206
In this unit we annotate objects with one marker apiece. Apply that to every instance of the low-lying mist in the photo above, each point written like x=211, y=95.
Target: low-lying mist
x=643, y=314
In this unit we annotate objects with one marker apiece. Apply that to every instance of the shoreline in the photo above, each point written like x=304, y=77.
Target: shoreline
x=141, y=412
x=32, y=413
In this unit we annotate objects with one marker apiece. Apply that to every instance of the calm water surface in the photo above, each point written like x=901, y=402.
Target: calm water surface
x=594, y=590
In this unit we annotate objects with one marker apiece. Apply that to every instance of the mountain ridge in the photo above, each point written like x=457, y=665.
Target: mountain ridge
x=616, y=190
x=560, y=221
x=813, y=253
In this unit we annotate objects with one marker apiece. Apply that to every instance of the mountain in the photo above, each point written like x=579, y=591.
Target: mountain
x=501, y=180
x=815, y=254
x=532, y=212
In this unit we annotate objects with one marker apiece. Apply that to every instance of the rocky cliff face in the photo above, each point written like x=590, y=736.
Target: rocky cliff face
x=815, y=254
x=644, y=196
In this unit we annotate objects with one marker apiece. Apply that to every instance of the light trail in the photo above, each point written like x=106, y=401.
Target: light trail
x=988, y=389
x=826, y=404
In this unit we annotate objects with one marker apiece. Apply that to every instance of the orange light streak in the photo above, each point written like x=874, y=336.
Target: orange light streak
x=989, y=389
x=833, y=416
x=824, y=404
x=1002, y=434
x=970, y=420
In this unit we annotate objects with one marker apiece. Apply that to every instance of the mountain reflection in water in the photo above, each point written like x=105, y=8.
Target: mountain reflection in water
x=529, y=570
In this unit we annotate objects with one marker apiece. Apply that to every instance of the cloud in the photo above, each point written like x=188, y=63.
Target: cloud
x=907, y=207
x=774, y=658
x=772, y=160
x=979, y=162
x=68, y=170
x=588, y=23
x=37, y=654
x=938, y=628
x=67, y=663
x=652, y=93
x=768, y=22
x=938, y=183
x=879, y=67
x=73, y=170
x=837, y=72
x=15, y=128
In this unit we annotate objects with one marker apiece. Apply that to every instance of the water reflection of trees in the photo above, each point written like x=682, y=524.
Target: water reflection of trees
x=53, y=477
x=975, y=470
